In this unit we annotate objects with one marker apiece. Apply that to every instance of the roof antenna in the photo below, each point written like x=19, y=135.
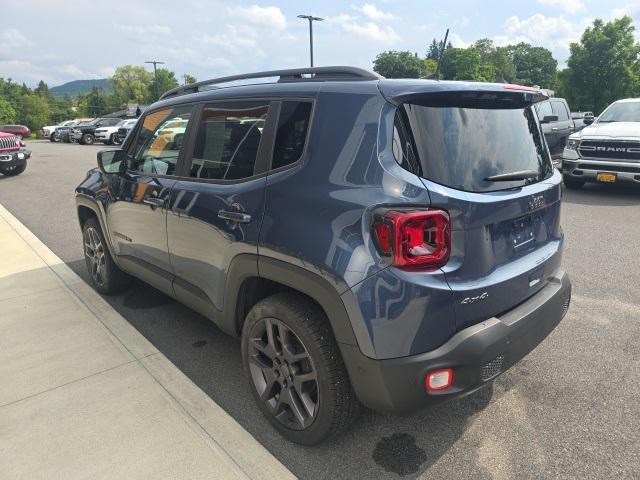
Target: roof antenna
x=436, y=75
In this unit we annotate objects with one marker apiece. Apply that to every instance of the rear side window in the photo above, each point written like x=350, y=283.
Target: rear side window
x=293, y=126
x=227, y=141
x=560, y=110
x=462, y=147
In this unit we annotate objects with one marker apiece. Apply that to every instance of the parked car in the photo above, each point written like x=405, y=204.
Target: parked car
x=557, y=125
x=20, y=131
x=333, y=221
x=50, y=130
x=63, y=133
x=123, y=132
x=607, y=151
x=581, y=120
x=13, y=155
x=84, y=133
x=109, y=135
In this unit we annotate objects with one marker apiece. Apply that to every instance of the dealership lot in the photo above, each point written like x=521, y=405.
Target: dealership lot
x=568, y=410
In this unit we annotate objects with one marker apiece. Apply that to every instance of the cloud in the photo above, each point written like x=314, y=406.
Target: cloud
x=144, y=30
x=630, y=9
x=11, y=40
x=568, y=6
x=369, y=30
x=262, y=16
x=551, y=32
x=457, y=41
x=373, y=12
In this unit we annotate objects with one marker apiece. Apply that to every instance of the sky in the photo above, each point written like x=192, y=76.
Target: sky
x=62, y=40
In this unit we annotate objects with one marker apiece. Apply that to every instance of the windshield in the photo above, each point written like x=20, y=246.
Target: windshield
x=621, y=112
x=462, y=147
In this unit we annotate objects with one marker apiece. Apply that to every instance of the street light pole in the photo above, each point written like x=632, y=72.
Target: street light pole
x=311, y=19
x=155, y=73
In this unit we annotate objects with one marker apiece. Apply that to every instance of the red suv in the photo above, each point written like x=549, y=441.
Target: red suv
x=20, y=131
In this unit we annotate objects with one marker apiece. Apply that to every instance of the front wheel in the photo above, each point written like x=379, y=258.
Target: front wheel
x=13, y=171
x=52, y=137
x=572, y=183
x=87, y=139
x=295, y=369
x=115, y=139
x=105, y=275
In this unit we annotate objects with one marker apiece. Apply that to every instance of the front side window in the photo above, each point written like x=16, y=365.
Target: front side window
x=544, y=110
x=560, y=110
x=291, y=135
x=227, y=140
x=157, y=147
x=463, y=147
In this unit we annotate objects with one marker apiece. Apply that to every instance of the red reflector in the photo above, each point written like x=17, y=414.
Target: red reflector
x=439, y=380
x=414, y=239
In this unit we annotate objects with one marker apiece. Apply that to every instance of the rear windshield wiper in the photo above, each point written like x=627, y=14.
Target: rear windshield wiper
x=507, y=177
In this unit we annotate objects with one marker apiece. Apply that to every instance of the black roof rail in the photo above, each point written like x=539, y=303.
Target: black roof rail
x=316, y=74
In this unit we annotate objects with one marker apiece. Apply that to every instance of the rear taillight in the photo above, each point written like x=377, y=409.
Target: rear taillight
x=416, y=239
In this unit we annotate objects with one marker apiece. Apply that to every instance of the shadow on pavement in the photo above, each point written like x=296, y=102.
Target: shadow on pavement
x=603, y=195
x=377, y=446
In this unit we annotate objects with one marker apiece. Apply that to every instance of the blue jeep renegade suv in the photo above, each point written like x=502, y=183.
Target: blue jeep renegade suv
x=386, y=243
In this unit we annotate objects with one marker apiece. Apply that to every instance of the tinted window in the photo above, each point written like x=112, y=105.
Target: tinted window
x=156, y=148
x=228, y=140
x=461, y=147
x=402, y=145
x=560, y=110
x=544, y=109
x=293, y=126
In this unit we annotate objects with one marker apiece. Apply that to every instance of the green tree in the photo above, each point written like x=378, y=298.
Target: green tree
x=42, y=89
x=533, y=65
x=433, y=52
x=604, y=66
x=166, y=81
x=392, y=64
x=131, y=84
x=189, y=79
x=94, y=103
x=7, y=112
x=34, y=111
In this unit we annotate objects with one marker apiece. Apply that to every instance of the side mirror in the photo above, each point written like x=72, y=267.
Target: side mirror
x=112, y=161
x=549, y=119
x=588, y=120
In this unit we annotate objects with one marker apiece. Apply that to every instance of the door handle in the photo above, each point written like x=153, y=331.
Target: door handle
x=554, y=128
x=154, y=202
x=237, y=217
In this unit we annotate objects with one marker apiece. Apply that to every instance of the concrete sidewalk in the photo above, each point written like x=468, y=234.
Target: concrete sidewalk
x=84, y=395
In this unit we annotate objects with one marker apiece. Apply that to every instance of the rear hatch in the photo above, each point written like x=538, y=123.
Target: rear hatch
x=506, y=236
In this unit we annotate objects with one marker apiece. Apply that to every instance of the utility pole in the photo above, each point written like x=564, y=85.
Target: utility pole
x=311, y=19
x=155, y=72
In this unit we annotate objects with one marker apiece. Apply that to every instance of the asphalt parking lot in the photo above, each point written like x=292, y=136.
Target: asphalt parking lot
x=571, y=409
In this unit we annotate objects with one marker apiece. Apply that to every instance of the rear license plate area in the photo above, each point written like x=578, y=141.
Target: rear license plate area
x=522, y=233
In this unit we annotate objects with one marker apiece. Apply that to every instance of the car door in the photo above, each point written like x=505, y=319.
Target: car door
x=563, y=127
x=137, y=214
x=215, y=211
x=544, y=109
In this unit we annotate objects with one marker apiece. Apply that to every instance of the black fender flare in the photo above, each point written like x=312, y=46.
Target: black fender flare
x=84, y=200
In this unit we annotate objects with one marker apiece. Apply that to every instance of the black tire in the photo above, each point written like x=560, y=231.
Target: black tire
x=324, y=400
x=87, y=139
x=105, y=275
x=572, y=183
x=114, y=139
x=13, y=171
x=52, y=137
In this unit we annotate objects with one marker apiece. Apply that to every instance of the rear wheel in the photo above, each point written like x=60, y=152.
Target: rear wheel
x=572, y=183
x=87, y=139
x=105, y=275
x=295, y=369
x=14, y=170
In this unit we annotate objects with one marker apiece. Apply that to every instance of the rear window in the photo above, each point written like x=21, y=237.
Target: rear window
x=460, y=147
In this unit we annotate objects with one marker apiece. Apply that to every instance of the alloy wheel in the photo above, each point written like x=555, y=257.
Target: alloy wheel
x=95, y=254
x=283, y=373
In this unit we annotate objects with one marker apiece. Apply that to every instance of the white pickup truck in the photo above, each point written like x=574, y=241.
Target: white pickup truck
x=607, y=151
x=109, y=135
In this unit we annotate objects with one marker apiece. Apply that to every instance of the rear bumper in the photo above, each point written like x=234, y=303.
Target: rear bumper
x=477, y=355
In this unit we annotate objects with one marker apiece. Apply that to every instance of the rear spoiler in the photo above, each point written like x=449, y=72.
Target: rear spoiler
x=460, y=94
